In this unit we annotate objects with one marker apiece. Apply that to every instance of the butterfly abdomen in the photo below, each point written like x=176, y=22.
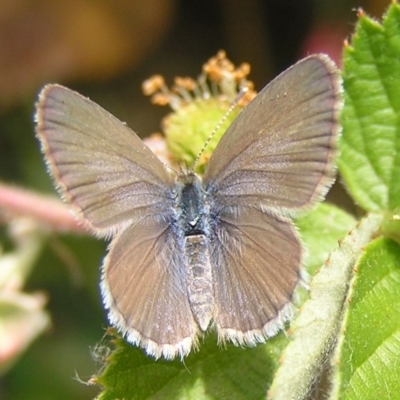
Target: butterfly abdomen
x=199, y=279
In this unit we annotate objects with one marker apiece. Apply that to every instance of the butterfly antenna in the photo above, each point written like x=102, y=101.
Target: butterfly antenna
x=181, y=170
x=234, y=104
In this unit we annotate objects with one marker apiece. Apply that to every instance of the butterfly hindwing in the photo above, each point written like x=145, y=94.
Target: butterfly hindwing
x=256, y=259
x=144, y=288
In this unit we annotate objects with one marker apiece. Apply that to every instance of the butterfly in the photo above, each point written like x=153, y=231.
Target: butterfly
x=190, y=253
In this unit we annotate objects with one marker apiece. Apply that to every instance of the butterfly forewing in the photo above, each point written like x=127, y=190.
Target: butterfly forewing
x=144, y=287
x=101, y=167
x=278, y=153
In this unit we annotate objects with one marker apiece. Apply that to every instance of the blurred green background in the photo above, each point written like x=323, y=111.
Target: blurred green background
x=105, y=50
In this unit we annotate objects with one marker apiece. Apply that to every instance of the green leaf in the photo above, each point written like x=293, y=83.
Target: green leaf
x=320, y=231
x=370, y=146
x=316, y=328
x=368, y=361
x=211, y=373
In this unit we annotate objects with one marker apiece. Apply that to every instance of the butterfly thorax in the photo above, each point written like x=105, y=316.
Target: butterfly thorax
x=190, y=204
x=193, y=217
